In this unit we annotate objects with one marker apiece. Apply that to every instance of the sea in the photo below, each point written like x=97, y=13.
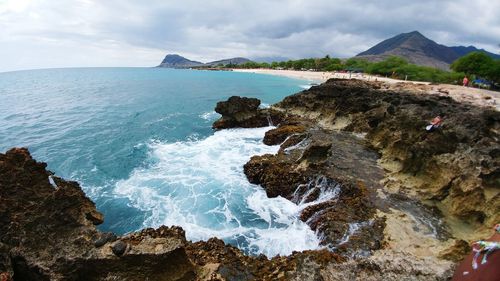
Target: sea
x=140, y=143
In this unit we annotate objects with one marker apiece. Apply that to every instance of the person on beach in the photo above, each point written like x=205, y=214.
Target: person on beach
x=465, y=81
x=435, y=123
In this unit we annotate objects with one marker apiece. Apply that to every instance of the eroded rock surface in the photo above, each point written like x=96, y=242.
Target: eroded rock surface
x=375, y=185
x=48, y=233
x=456, y=166
x=244, y=112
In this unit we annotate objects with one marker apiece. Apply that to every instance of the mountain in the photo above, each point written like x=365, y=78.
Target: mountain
x=236, y=61
x=270, y=59
x=462, y=51
x=417, y=49
x=176, y=61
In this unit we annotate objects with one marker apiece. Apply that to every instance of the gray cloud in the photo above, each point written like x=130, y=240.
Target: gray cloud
x=47, y=33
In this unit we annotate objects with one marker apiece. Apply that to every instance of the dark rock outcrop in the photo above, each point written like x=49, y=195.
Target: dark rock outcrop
x=280, y=134
x=455, y=165
x=322, y=171
x=357, y=156
x=48, y=233
x=244, y=113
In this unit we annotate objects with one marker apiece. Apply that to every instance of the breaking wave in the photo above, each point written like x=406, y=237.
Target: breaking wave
x=200, y=186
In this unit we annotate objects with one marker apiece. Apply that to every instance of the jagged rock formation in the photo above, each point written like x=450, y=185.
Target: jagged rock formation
x=243, y=112
x=357, y=156
x=418, y=49
x=48, y=233
x=455, y=166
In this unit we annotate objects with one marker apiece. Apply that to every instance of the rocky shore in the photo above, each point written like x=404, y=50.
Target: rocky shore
x=388, y=200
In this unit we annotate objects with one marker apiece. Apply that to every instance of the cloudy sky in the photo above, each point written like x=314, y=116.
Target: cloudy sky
x=76, y=33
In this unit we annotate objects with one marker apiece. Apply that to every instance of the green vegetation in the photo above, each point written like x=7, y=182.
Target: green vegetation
x=399, y=68
x=476, y=65
x=479, y=65
x=394, y=67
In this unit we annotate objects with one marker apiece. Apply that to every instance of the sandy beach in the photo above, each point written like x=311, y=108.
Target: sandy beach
x=321, y=76
x=475, y=96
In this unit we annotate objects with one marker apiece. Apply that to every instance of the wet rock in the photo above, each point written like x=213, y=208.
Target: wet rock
x=237, y=105
x=423, y=164
x=318, y=150
x=292, y=141
x=274, y=174
x=30, y=208
x=278, y=135
x=245, y=113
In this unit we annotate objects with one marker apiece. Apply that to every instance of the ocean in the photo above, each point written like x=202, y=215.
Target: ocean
x=139, y=142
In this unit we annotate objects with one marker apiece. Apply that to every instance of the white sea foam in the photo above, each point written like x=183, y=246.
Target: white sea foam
x=200, y=186
x=353, y=228
x=210, y=116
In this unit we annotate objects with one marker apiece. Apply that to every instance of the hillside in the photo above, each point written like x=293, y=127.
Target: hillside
x=236, y=61
x=176, y=61
x=418, y=49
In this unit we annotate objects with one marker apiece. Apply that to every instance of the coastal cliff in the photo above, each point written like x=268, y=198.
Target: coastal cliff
x=388, y=200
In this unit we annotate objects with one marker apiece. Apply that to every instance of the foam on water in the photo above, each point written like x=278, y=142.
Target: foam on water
x=139, y=142
x=210, y=116
x=200, y=185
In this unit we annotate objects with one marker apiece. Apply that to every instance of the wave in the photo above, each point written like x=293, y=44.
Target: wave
x=209, y=116
x=200, y=186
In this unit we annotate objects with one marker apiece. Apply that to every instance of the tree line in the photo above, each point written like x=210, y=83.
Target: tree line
x=475, y=65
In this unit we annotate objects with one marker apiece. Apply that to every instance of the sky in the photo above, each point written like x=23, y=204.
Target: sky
x=86, y=33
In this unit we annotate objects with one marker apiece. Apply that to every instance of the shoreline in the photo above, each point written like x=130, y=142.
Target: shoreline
x=323, y=76
x=336, y=174
x=475, y=96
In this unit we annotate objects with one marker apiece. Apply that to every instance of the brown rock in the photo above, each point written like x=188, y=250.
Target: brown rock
x=456, y=252
x=278, y=135
x=48, y=233
x=245, y=113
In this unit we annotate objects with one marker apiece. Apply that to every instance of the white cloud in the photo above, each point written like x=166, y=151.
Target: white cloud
x=64, y=33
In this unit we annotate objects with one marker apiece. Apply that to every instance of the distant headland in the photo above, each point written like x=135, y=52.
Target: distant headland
x=177, y=61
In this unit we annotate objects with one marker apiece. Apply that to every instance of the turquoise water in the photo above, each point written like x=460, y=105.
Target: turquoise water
x=139, y=140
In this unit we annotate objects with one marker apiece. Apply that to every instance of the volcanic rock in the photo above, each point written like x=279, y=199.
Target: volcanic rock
x=244, y=113
x=119, y=248
x=105, y=238
x=456, y=165
x=48, y=233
